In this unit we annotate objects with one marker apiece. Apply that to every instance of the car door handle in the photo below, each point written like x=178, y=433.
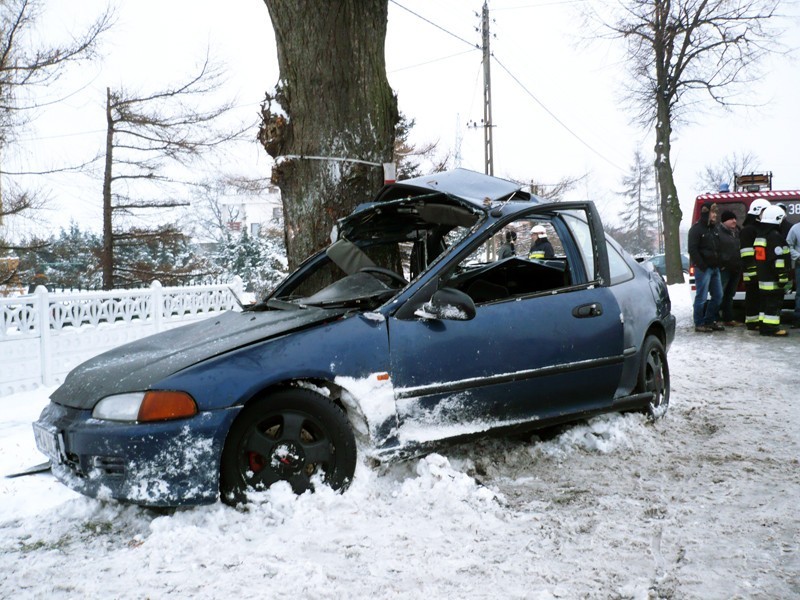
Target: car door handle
x=587, y=310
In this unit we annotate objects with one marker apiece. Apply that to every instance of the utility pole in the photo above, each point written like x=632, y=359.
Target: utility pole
x=487, y=92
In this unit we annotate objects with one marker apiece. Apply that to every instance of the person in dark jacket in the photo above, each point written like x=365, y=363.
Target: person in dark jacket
x=507, y=250
x=704, y=247
x=773, y=261
x=730, y=264
x=541, y=247
x=752, y=301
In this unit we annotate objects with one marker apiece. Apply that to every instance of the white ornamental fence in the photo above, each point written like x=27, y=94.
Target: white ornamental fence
x=45, y=335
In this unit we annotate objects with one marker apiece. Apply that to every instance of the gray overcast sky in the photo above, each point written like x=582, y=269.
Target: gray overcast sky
x=438, y=79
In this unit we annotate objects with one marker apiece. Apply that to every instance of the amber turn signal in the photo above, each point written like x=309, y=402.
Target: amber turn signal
x=163, y=405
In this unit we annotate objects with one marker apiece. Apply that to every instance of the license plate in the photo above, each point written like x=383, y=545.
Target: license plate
x=48, y=442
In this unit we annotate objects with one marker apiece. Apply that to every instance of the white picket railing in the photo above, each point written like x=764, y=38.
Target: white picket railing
x=80, y=325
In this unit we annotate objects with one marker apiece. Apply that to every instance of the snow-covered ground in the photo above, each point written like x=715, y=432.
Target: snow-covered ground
x=702, y=504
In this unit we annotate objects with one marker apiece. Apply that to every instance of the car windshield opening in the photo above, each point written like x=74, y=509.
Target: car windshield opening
x=380, y=249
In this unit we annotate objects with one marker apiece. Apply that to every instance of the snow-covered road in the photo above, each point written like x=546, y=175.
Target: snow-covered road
x=702, y=504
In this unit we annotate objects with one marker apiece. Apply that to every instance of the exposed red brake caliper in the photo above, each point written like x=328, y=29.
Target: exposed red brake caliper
x=257, y=462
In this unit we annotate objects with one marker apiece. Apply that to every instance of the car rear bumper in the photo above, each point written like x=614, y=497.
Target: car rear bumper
x=169, y=463
x=669, y=328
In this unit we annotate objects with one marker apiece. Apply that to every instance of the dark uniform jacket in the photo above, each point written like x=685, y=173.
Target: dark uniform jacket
x=772, y=258
x=542, y=248
x=746, y=238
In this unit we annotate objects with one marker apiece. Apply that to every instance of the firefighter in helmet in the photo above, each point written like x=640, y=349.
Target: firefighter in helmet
x=752, y=304
x=541, y=248
x=772, y=261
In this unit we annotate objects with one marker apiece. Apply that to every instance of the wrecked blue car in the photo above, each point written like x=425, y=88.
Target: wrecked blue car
x=428, y=319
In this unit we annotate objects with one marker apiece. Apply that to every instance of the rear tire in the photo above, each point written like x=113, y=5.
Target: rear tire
x=654, y=377
x=291, y=435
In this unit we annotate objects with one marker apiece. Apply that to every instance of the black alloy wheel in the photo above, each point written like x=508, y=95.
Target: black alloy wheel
x=291, y=435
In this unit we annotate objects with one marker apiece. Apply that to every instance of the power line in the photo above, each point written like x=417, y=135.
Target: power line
x=62, y=135
x=555, y=118
x=516, y=79
x=429, y=22
x=428, y=62
x=539, y=5
x=96, y=131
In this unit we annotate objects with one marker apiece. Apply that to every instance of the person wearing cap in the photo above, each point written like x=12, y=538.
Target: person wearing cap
x=730, y=264
x=747, y=236
x=541, y=248
x=793, y=242
x=704, y=248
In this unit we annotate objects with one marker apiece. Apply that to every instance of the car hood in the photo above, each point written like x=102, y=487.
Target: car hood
x=141, y=364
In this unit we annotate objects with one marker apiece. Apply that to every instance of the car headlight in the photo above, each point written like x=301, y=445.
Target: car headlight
x=156, y=405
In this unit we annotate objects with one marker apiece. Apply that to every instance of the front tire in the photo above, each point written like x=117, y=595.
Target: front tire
x=291, y=435
x=654, y=377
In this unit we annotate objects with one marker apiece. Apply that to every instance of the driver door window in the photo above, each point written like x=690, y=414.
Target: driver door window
x=502, y=268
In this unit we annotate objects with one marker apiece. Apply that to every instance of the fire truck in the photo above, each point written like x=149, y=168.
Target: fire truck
x=748, y=187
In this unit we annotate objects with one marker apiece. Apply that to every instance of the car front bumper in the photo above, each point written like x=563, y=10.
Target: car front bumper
x=169, y=463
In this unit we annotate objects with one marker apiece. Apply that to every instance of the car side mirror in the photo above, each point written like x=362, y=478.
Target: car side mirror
x=448, y=304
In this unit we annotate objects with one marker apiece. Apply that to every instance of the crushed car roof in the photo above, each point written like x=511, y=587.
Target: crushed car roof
x=476, y=188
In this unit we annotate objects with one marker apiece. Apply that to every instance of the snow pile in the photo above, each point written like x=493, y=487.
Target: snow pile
x=701, y=504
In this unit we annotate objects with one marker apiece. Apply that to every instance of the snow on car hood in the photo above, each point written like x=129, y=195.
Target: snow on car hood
x=139, y=365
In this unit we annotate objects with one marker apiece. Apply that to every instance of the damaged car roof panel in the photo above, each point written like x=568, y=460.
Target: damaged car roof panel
x=468, y=185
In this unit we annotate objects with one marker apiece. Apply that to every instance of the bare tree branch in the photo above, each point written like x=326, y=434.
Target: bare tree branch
x=25, y=65
x=681, y=53
x=147, y=131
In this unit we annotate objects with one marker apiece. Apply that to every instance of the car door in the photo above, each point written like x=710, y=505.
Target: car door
x=534, y=354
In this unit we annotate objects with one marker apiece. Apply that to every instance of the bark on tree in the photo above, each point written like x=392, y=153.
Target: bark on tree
x=334, y=108
x=671, y=213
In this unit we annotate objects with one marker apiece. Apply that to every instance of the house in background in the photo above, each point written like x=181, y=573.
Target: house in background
x=253, y=213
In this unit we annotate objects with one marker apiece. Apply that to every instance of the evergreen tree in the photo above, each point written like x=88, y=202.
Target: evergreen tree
x=640, y=214
x=67, y=261
x=166, y=255
x=259, y=260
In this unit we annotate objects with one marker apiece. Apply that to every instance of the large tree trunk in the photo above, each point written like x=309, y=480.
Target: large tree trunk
x=670, y=207
x=336, y=104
